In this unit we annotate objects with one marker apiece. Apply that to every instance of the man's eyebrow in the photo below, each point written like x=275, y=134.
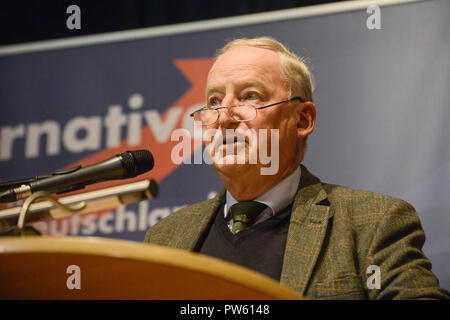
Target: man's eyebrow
x=244, y=83
x=210, y=89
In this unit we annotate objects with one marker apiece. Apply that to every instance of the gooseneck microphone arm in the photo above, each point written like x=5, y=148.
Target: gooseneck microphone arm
x=128, y=164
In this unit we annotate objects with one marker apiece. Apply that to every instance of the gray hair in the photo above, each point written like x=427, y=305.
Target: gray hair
x=298, y=75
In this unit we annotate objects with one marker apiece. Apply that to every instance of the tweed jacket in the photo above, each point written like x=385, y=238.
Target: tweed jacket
x=335, y=234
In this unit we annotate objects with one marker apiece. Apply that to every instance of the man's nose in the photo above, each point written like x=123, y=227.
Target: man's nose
x=225, y=119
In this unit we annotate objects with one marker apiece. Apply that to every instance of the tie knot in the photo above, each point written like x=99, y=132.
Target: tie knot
x=243, y=212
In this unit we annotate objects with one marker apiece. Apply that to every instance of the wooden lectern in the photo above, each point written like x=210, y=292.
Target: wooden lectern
x=47, y=268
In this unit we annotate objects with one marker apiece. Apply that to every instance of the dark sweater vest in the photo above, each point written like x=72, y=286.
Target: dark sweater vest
x=259, y=247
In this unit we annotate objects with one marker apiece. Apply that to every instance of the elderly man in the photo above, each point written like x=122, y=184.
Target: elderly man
x=315, y=238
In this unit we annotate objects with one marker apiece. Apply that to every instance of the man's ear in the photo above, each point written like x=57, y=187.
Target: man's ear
x=306, y=119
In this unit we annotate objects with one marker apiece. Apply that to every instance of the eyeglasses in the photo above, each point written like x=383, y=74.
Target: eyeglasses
x=242, y=112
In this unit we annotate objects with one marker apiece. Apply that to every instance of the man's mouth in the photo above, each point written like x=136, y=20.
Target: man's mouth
x=234, y=140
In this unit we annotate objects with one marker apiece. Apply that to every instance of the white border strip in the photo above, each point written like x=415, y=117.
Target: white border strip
x=189, y=27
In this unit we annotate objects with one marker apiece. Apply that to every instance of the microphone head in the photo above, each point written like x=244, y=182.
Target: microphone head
x=144, y=161
x=136, y=162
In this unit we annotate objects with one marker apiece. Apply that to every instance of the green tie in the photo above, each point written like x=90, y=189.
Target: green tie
x=243, y=212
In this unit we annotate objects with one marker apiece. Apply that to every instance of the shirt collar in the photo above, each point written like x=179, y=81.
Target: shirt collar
x=276, y=198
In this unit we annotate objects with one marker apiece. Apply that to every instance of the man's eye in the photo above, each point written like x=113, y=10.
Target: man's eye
x=251, y=96
x=214, y=102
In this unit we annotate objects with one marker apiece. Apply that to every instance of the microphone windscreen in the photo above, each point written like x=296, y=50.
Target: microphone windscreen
x=143, y=160
x=136, y=162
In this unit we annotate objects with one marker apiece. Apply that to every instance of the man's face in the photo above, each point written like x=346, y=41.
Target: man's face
x=250, y=75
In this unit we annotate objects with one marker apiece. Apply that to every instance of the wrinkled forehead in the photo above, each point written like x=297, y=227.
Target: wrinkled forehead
x=246, y=62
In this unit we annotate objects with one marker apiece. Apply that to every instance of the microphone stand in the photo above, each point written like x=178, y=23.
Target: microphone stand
x=55, y=208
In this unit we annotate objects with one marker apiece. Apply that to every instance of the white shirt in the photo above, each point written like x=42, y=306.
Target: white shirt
x=276, y=198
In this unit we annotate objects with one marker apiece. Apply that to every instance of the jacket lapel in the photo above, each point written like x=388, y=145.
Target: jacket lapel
x=192, y=231
x=307, y=229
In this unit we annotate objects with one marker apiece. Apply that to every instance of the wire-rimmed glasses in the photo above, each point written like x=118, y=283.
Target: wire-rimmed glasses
x=242, y=112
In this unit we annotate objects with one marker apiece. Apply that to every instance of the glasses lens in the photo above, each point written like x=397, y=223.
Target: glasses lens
x=206, y=116
x=243, y=112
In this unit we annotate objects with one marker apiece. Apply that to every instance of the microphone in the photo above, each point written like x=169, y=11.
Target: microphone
x=126, y=165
